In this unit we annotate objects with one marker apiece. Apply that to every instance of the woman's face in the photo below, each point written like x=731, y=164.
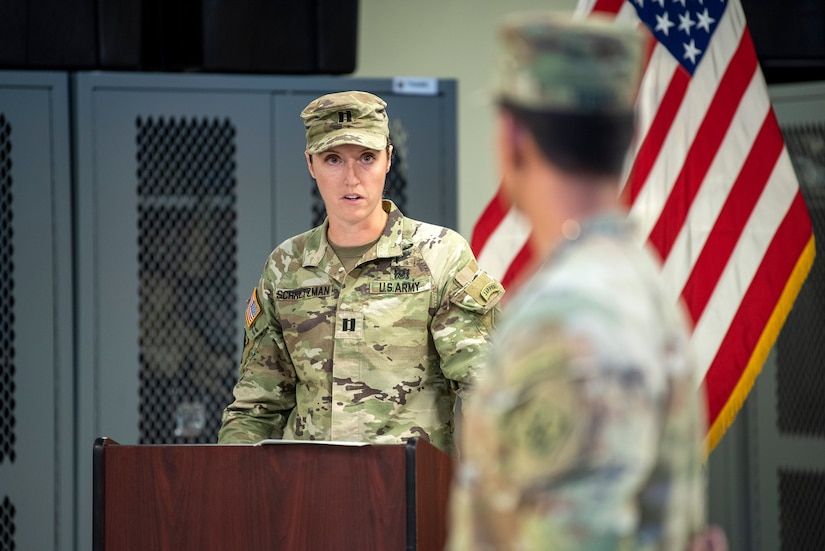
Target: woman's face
x=350, y=179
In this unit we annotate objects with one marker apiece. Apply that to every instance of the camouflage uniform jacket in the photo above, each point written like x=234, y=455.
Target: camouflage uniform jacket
x=585, y=430
x=374, y=355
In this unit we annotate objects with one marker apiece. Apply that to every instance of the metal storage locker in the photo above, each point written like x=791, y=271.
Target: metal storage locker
x=185, y=183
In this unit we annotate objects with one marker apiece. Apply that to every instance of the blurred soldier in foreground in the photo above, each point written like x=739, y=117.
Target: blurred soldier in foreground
x=367, y=327
x=586, y=429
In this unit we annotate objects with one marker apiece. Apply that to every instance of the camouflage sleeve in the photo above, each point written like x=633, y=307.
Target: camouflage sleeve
x=678, y=487
x=464, y=320
x=569, y=447
x=265, y=391
x=523, y=435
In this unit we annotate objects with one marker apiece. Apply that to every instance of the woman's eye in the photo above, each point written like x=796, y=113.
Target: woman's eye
x=369, y=157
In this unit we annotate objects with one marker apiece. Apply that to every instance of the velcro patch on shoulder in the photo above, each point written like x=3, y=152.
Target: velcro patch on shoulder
x=467, y=273
x=253, y=308
x=485, y=289
x=477, y=290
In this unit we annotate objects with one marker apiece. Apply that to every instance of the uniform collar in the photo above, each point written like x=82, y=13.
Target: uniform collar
x=390, y=244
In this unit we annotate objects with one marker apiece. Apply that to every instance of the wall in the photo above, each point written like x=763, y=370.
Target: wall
x=447, y=39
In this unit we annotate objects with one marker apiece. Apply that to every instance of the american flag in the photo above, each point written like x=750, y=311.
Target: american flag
x=711, y=187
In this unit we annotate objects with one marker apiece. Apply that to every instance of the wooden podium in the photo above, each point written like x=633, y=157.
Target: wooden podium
x=285, y=495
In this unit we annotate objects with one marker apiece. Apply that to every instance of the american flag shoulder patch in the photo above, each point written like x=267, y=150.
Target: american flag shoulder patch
x=253, y=309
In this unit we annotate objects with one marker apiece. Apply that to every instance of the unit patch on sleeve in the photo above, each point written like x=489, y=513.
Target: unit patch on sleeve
x=253, y=309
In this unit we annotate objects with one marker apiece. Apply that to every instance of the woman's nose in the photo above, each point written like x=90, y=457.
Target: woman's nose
x=350, y=176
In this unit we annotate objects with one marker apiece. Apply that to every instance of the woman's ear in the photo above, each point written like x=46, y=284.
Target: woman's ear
x=309, y=164
x=389, y=158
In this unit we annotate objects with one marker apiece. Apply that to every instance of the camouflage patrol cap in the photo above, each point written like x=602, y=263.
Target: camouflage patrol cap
x=346, y=118
x=551, y=62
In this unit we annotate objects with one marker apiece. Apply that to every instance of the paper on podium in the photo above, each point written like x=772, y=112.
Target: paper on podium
x=269, y=441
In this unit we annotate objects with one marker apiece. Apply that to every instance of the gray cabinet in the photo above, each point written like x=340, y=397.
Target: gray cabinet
x=137, y=211
x=185, y=183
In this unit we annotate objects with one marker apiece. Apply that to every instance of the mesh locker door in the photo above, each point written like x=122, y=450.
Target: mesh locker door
x=178, y=215
x=36, y=374
x=174, y=213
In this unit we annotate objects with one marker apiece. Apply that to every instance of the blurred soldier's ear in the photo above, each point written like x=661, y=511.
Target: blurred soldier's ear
x=510, y=142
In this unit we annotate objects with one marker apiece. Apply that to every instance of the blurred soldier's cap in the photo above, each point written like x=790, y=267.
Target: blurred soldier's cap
x=551, y=62
x=346, y=118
